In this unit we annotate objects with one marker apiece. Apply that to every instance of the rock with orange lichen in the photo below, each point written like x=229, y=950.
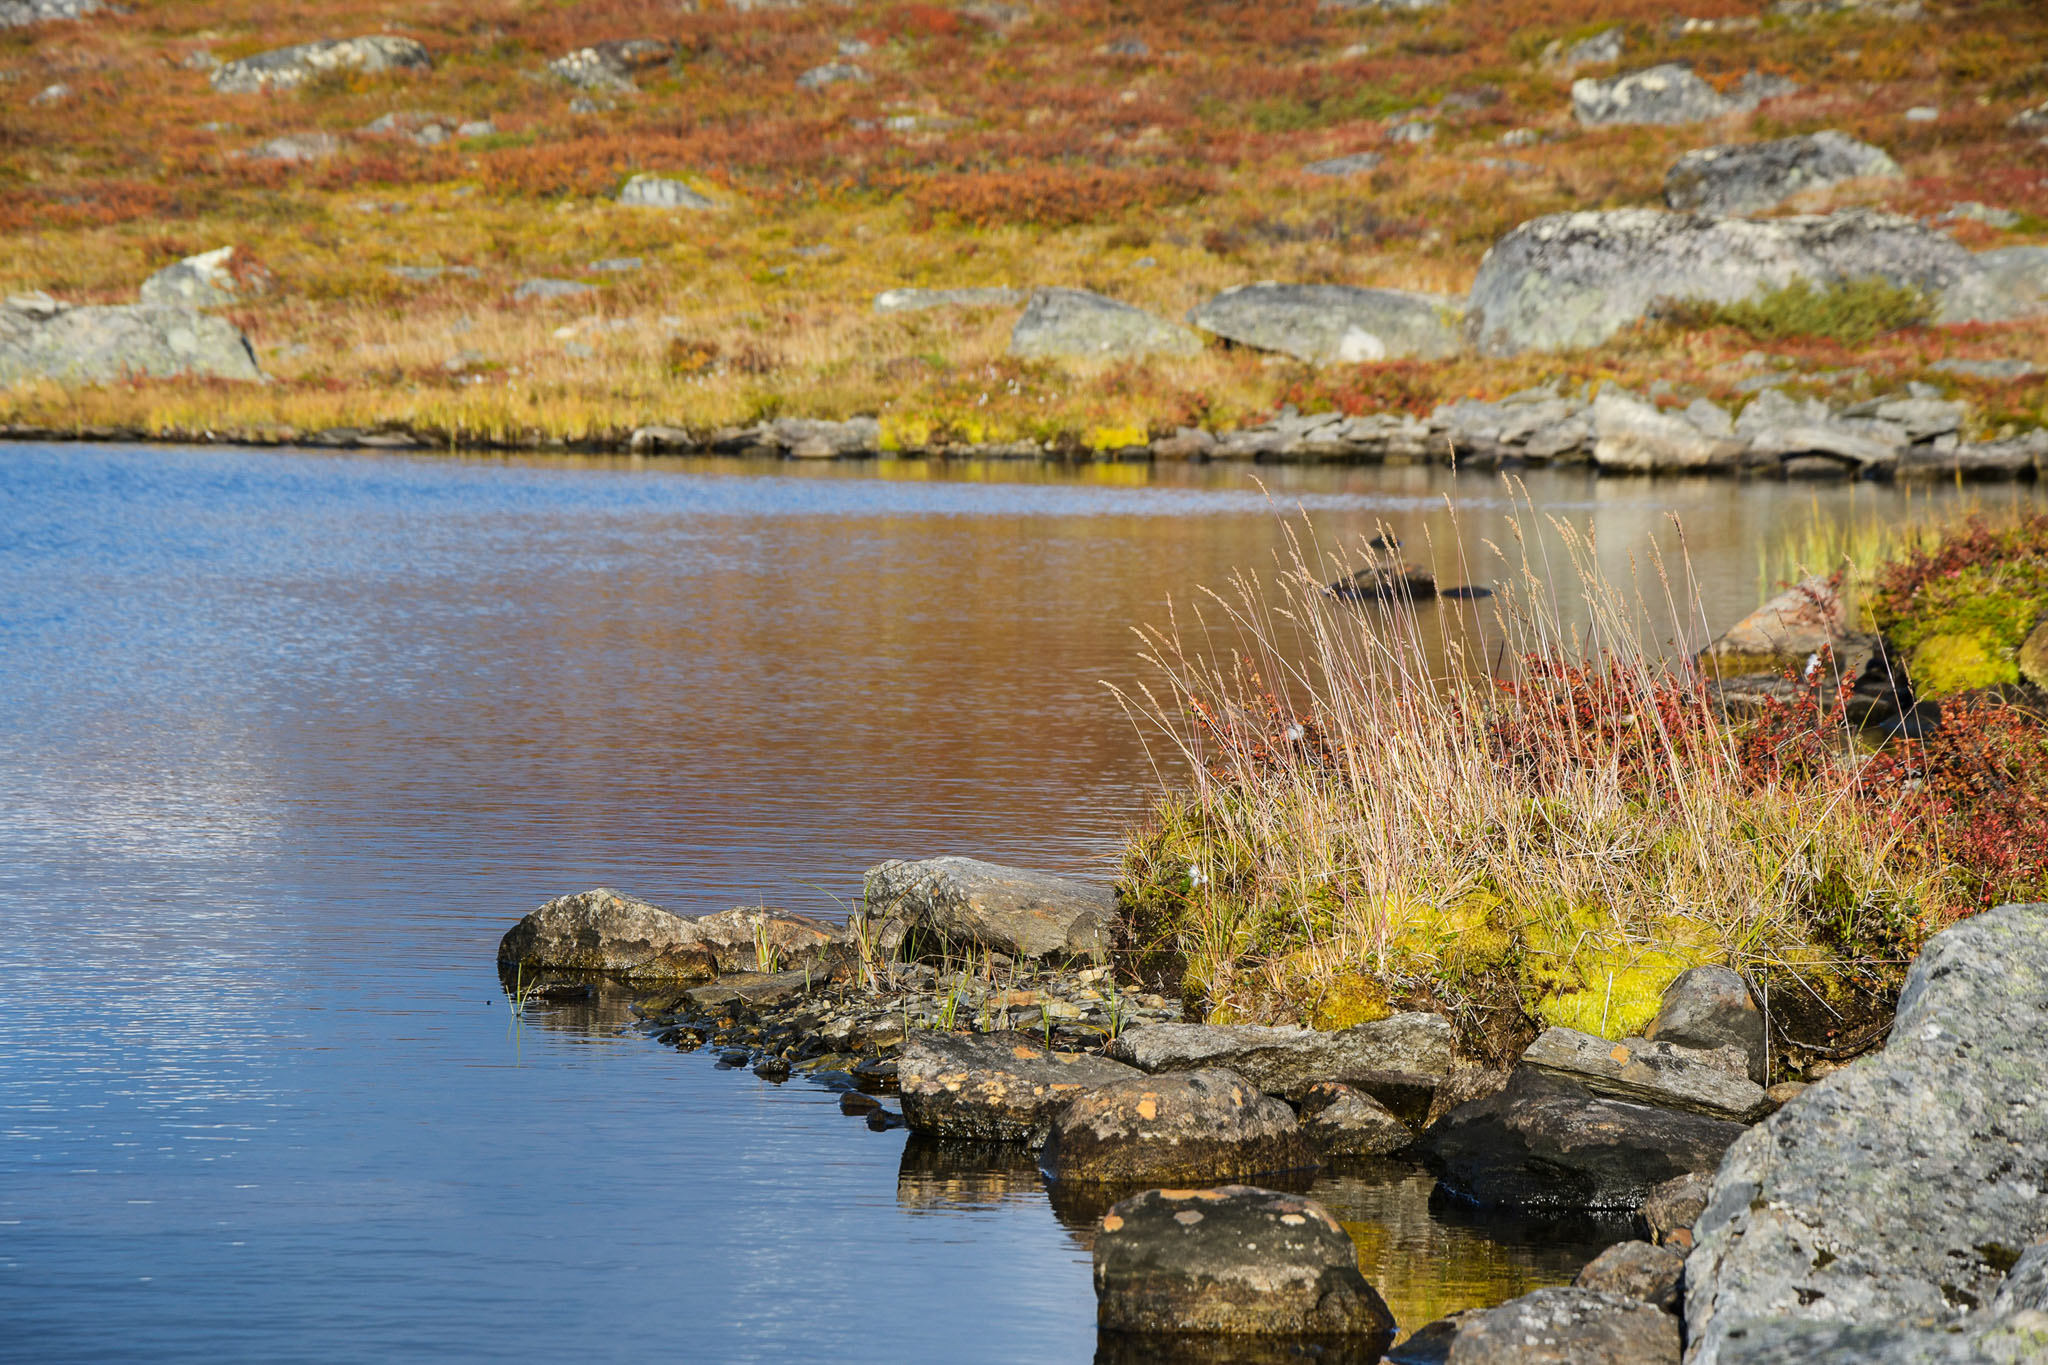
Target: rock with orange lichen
x=1232, y=1260
x=995, y=1087
x=1186, y=1127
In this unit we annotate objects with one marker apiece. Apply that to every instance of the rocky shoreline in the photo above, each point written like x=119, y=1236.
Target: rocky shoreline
x=993, y=1016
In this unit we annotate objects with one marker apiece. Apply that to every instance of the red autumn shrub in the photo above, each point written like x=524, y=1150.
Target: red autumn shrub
x=1052, y=196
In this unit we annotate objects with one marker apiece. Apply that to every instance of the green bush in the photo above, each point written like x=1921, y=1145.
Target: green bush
x=1853, y=312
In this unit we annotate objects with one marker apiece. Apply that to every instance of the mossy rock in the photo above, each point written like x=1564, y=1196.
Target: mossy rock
x=1946, y=664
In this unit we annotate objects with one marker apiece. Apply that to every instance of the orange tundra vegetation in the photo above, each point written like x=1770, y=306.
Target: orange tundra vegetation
x=1152, y=151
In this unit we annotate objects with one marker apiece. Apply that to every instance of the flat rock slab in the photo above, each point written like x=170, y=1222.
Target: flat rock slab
x=1184, y=1128
x=1403, y=1051
x=287, y=67
x=752, y=988
x=1662, y=1074
x=1546, y=1144
x=1752, y=177
x=1575, y=279
x=1235, y=1261
x=1333, y=324
x=663, y=192
x=603, y=931
x=1903, y=1188
x=102, y=344
x=951, y=903
x=995, y=1087
x=1074, y=324
x=1567, y=1327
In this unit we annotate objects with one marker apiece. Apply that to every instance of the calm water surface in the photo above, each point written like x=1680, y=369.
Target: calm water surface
x=287, y=741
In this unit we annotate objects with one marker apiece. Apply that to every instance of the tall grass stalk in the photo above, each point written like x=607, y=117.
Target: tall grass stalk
x=1480, y=807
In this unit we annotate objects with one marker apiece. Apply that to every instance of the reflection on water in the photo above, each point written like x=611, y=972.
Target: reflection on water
x=288, y=740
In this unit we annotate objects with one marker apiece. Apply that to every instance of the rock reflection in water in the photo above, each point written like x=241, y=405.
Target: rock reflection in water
x=1429, y=1255
x=594, y=1011
x=938, y=1174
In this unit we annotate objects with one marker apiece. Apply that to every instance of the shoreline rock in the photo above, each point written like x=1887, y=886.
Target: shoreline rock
x=947, y=904
x=994, y=1087
x=603, y=932
x=1399, y=1060
x=1184, y=1128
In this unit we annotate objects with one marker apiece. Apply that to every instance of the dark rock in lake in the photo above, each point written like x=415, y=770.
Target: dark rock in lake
x=953, y=903
x=1184, y=1128
x=1658, y=1073
x=1674, y=1206
x=1546, y=1144
x=997, y=1087
x=1430, y=1344
x=1567, y=1327
x=1344, y=1121
x=1752, y=177
x=1711, y=1009
x=1637, y=1270
x=1899, y=1191
x=1402, y=1053
x=1233, y=1261
x=1465, y=1083
x=288, y=67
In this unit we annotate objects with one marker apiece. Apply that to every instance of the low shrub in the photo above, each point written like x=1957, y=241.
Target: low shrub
x=1853, y=312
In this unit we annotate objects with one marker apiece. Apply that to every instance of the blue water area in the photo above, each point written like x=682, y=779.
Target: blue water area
x=287, y=741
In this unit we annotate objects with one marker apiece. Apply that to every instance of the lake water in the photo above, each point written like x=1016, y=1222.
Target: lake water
x=288, y=740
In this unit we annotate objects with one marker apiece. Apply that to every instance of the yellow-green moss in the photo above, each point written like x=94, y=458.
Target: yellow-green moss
x=1945, y=664
x=1352, y=999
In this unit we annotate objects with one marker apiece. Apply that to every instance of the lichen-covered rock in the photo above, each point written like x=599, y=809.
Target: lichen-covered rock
x=955, y=902
x=1403, y=1051
x=1332, y=324
x=1575, y=279
x=1543, y=1143
x=993, y=1087
x=2010, y=283
x=1567, y=1327
x=611, y=65
x=1074, y=324
x=1234, y=1261
x=288, y=67
x=99, y=344
x=1899, y=1191
x=208, y=280
x=1752, y=177
x=663, y=192
x=1710, y=1008
x=1661, y=94
x=1658, y=1073
x=605, y=932
x=1637, y=1270
x=22, y=13
x=1342, y=1120
x=1186, y=1128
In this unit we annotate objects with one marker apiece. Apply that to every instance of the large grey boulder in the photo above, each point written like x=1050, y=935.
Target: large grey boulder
x=1567, y=1327
x=1900, y=1191
x=22, y=13
x=1405, y=1053
x=918, y=300
x=604, y=932
x=1662, y=94
x=2017, y=1340
x=993, y=1087
x=1231, y=1262
x=1710, y=1008
x=611, y=65
x=2010, y=283
x=288, y=67
x=1332, y=324
x=950, y=903
x=1661, y=1074
x=1073, y=324
x=663, y=192
x=1632, y=436
x=43, y=339
x=1575, y=279
x=204, y=281
x=1543, y=1143
x=1752, y=177
x=1186, y=1128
